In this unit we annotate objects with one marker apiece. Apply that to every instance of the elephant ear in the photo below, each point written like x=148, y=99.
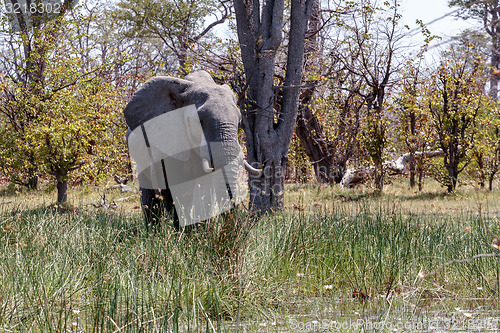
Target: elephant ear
x=169, y=135
x=201, y=77
x=161, y=138
x=157, y=96
x=155, y=116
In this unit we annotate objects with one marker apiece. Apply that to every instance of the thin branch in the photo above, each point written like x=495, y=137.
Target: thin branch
x=457, y=261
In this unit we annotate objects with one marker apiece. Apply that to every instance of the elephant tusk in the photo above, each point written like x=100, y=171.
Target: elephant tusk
x=251, y=169
x=206, y=166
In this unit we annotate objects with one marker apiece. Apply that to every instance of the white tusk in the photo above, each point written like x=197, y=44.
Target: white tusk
x=206, y=166
x=251, y=169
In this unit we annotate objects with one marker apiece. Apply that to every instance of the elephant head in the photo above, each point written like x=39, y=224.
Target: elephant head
x=183, y=135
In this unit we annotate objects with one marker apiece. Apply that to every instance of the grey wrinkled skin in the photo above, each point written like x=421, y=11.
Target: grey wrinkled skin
x=219, y=118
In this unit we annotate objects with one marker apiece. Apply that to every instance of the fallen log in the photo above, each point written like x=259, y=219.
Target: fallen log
x=356, y=176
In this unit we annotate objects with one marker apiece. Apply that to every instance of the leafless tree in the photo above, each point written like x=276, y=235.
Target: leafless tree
x=268, y=133
x=372, y=53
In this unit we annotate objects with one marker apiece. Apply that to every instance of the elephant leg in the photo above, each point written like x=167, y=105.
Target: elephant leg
x=152, y=207
x=168, y=203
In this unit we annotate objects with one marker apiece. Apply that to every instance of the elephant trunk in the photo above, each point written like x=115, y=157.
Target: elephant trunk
x=228, y=153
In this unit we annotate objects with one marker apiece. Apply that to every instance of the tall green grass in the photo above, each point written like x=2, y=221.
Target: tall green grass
x=96, y=271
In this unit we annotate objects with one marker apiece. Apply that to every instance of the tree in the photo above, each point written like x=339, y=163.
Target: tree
x=64, y=121
x=487, y=12
x=308, y=129
x=17, y=158
x=413, y=119
x=179, y=24
x=24, y=62
x=456, y=99
x=372, y=56
x=486, y=149
x=81, y=131
x=328, y=119
x=329, y=123
x=269, y=131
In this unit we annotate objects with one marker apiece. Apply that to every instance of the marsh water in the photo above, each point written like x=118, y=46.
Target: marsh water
x=398, y=314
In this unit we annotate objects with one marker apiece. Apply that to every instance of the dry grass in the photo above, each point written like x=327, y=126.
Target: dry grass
x=309, y=197
x=432, y=200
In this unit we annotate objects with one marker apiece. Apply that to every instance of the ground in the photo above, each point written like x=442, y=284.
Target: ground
x=335, y=260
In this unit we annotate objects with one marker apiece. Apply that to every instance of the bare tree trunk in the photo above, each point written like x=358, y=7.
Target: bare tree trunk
x=311, y=137
x=309, y=130
x=492, y=27
x=62, y=188
x=376, y=149
x=32, y=182
x=420, y=179
x=481, y=166
x=379, y=178
x=494, y=31
x=412, y=174
x=315, y=143
x=453, y=178
x=490, y=181
x=495, y=78
x=375, y=138
x=413, y=165
x=268, y=134
x=495, y=163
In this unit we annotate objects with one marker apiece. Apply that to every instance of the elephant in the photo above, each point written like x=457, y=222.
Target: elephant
x=183, y=136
